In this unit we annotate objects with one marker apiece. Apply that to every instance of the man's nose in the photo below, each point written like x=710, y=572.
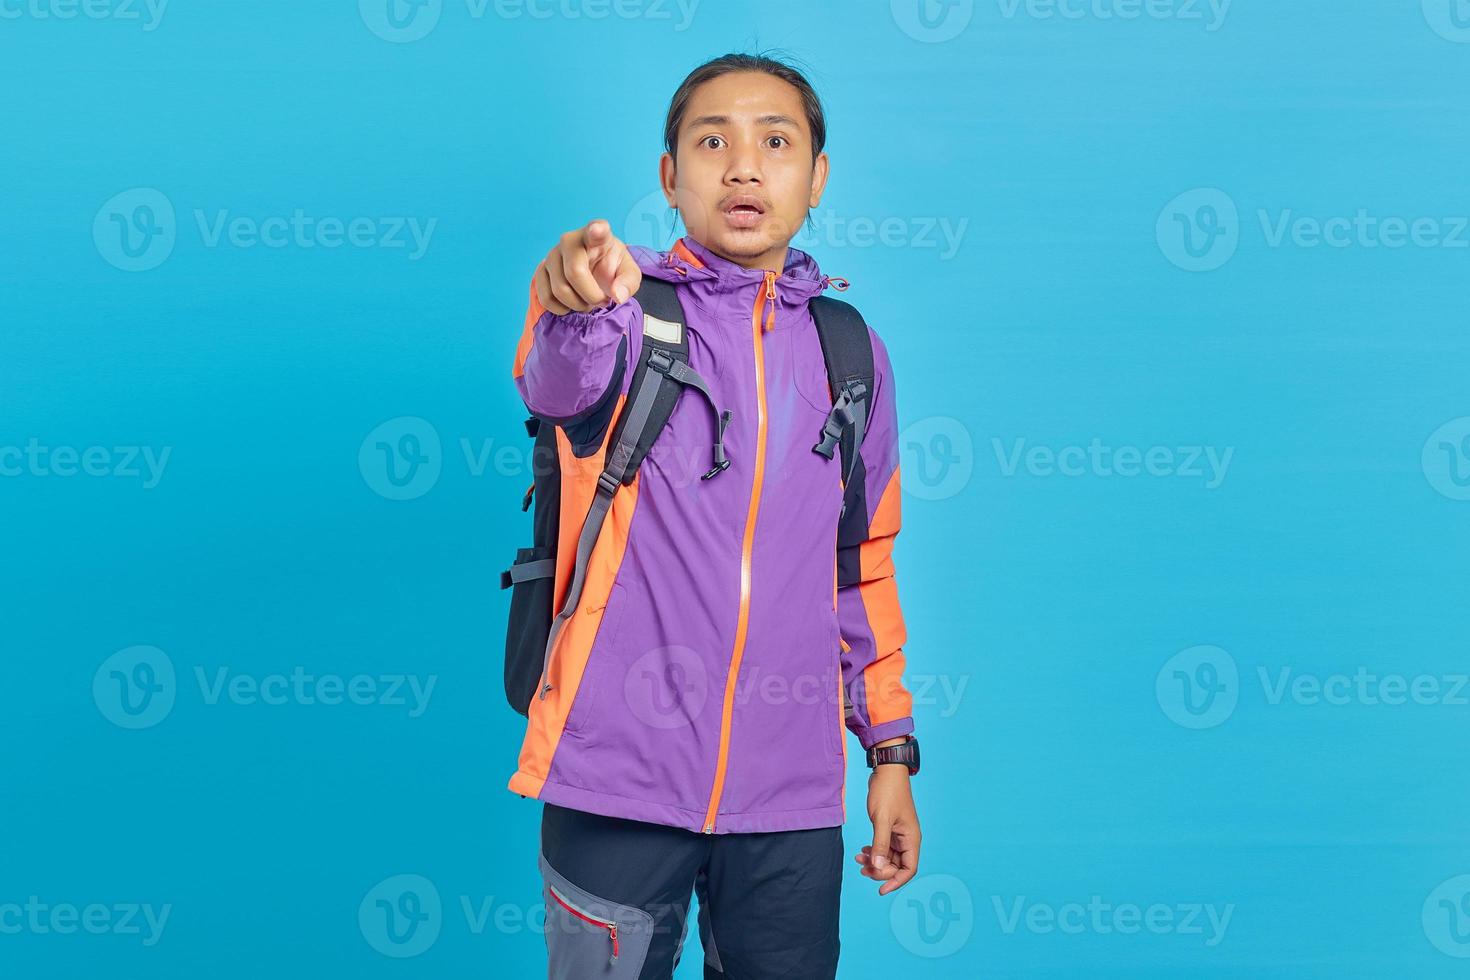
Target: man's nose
x=744, y=167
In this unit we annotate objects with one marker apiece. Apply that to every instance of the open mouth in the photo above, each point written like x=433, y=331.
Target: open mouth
x=744, y=211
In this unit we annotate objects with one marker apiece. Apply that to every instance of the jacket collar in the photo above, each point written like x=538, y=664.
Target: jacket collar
x=688, y=259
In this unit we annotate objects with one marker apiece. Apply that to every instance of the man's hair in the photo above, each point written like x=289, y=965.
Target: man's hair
x=726, y=64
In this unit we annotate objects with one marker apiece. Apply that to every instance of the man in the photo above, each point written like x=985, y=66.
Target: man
x=722, y=590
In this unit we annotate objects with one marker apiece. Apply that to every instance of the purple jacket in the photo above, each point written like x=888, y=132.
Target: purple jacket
x=703, y=683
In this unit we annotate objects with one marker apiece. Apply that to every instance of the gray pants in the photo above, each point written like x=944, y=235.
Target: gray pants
x=617, y=899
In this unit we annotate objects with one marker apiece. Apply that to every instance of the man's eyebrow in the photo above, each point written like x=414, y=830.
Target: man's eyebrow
x=769, y=119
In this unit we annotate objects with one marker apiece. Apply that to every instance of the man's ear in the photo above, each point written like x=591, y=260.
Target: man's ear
x=666, y=178
x=819, y=179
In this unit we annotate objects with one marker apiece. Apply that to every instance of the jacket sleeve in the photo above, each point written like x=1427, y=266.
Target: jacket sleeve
x=868, y=614
x=566, y=367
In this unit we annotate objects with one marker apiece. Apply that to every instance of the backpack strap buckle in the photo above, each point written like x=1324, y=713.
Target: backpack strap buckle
x=722, y=462
x=836, y=423
x=844, y=415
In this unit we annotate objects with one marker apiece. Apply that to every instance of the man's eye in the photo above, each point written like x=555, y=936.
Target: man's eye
x=778, y=139
x=709, y=140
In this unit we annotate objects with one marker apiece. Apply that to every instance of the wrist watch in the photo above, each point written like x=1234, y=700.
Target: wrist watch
x=906, y=754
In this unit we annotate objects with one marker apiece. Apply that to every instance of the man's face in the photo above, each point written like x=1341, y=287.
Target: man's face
x=744, y=177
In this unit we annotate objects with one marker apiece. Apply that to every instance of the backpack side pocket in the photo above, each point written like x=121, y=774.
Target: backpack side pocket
x=530, y=580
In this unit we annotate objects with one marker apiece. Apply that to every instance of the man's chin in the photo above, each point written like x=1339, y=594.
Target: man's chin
x=742, y=246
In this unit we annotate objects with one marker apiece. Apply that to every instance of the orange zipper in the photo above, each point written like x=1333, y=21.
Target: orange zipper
x=763, y=298
x=608, y=924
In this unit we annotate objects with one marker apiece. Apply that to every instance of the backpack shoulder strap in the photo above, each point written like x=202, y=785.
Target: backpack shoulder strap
x=848, y=351
x=661, y=300
x=660, y=377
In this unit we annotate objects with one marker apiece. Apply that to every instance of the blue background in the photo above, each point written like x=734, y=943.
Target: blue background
x=1075, y=762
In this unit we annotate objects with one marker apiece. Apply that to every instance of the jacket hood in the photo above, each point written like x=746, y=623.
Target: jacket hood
x=690, y=261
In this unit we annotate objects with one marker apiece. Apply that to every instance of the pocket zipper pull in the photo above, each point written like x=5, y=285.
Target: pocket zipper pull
x=610, y=925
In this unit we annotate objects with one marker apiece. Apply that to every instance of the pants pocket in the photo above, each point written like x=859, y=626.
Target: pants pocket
x=588, y=936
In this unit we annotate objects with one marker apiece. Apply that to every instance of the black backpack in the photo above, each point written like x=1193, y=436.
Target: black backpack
x=659, y=378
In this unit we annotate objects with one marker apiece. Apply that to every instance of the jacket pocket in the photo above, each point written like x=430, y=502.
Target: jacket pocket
x=591, y=937
x=835, y=713
x=811, y=382
x=602, y=657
